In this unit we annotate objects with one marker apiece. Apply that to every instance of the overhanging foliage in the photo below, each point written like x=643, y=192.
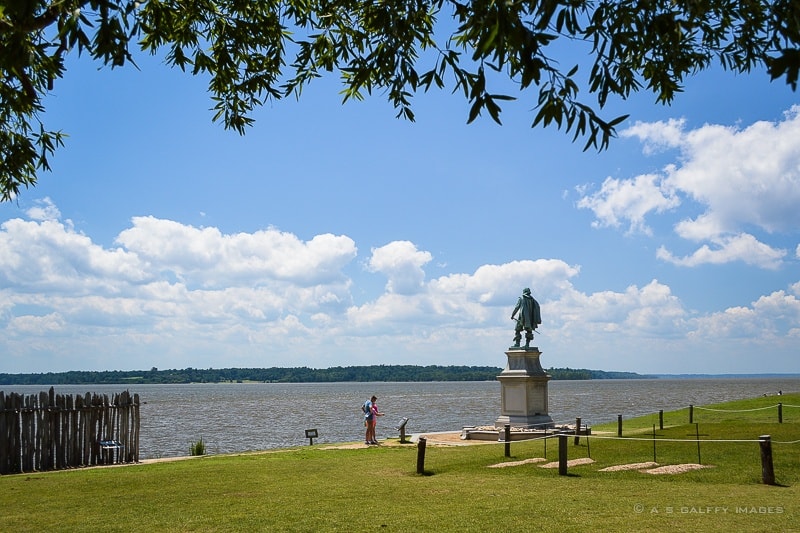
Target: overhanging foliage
x=252, y=52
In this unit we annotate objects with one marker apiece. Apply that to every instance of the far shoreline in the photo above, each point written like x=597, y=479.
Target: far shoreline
x=350, y=374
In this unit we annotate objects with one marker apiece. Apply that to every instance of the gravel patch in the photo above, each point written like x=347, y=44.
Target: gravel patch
x=630, y=466
x=574, y=462
x=675, y=469
x=517, y=463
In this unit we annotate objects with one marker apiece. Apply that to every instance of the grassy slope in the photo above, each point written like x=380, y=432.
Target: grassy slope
x=316, y=489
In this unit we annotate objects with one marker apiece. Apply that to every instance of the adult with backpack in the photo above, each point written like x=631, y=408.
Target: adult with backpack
x=371, y=414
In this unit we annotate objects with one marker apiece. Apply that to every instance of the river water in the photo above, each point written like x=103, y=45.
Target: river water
x=235, y=417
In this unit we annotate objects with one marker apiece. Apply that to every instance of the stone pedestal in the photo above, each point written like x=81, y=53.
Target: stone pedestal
x=523, y=392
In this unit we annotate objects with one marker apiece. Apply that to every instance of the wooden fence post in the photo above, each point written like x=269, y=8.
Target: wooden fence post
x=545, y=442
x=562, y=454
x=507, y=437
x=661, y=419
x=619, y=425
x=577, y=431
x=767, y=470
x=421, y=455
x=6, y=417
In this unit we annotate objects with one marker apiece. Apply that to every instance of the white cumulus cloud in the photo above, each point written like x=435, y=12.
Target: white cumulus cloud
x=728, y=248
x=743, y=182
x=629, y=201
x=207, y=257
x=401, y=263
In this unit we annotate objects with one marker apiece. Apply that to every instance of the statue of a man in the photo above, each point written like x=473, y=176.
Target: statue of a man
x=529, y=318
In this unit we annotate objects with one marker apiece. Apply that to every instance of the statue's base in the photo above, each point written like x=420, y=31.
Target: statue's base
x=492, y=433
x=523, y=391
x=525, y=422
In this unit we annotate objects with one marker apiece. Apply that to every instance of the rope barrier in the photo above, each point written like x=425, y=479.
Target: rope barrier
x=650, y=439
x=556, y=434
x=569, y=423
x=736, y=410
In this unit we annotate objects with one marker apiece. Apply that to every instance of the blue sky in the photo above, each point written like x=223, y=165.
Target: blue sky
x=339, y=235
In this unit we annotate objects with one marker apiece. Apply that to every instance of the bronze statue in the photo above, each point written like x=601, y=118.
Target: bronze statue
x=529, y=318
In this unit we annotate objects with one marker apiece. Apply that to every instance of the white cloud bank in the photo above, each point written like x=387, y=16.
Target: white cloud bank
x=172, y=295
x=743, y=184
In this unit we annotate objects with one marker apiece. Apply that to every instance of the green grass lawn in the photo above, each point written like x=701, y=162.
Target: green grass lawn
x=377, y=489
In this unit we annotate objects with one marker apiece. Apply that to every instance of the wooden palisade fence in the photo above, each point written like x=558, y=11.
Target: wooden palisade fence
x=49, y=431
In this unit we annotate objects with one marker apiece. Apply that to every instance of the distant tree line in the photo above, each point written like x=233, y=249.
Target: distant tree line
x=582, y=373
x=292, y=375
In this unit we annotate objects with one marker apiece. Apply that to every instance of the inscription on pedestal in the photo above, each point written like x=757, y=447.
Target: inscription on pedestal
x=514, y=399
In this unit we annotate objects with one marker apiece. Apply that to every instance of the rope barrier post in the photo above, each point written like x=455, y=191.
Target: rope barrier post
x=507, y=429
x=780, y=413
x=421, y=455
x=562, y=454
x=767, y=470
x=661, y=419
x=691, y=413
x=619, y=425
x=577, y=431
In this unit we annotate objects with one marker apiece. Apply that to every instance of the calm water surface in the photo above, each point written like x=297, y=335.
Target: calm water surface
x=234, y=417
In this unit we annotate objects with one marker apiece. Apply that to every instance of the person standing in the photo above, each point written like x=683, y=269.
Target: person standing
x=368, y=416
x=375, y=415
